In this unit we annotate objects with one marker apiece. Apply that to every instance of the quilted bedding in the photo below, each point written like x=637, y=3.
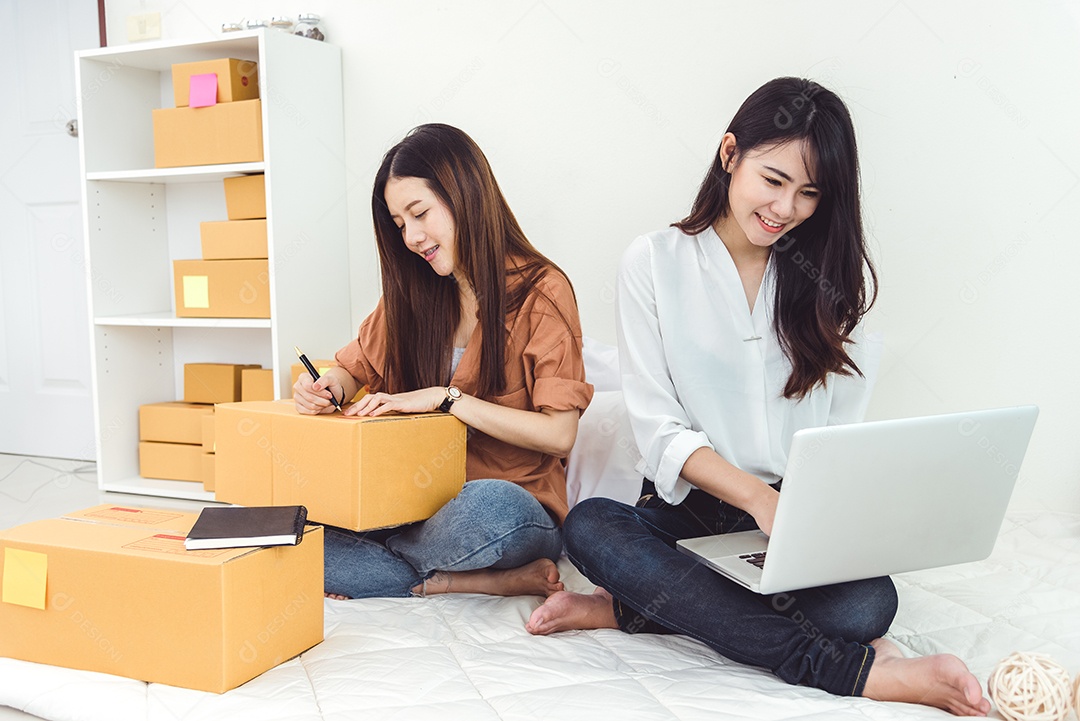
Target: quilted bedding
x=469, y=657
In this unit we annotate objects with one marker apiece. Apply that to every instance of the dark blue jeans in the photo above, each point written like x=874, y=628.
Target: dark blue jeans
x=816, y=637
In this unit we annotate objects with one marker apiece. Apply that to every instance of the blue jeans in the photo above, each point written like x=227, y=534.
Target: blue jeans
x=816, y=637
x=490, y=524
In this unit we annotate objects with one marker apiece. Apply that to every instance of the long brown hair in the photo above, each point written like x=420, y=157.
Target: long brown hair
x=822, y=266
x=422, y=308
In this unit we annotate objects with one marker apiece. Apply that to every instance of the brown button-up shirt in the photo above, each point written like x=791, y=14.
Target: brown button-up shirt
x=544, y=369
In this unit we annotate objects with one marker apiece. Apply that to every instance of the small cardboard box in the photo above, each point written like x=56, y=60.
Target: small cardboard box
x=320, y=365
x=233, y=239
x=208, y=434
x=222, y=288
x=208, y=467
x=245, y=197
x=356, y=473
x=111, y=589
x=173, y=422
x=171, y=461
x=257, y=384
x=236, y=79
x=213, y=383
x=225, y=133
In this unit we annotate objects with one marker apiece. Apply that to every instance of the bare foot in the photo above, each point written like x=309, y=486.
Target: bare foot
x=941, y=680
x=539, y=578
x=566, y=611
x=337, y=597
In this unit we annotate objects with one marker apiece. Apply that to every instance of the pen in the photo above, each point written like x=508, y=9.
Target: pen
x=315, y=374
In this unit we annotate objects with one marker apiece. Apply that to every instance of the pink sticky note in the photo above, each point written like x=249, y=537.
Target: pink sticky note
x=202, y=92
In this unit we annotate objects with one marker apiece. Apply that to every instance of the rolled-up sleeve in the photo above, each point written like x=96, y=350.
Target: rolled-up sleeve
x=553, y=351
x=663, y=432
x=364, y=356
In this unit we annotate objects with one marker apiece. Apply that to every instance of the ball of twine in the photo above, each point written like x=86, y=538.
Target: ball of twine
x=1076, y=696
x=1030, y=687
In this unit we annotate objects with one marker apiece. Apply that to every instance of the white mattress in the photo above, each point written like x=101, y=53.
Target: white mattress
x=469, y=657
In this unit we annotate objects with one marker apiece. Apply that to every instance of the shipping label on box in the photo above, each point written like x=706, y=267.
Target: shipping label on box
x=356, y=473
x=222, y=288
x=213, y=383
x=245, y=197
x=233, y=239
x=219, y=134
x=111, y=589
x=173, y=422
x=236, y=79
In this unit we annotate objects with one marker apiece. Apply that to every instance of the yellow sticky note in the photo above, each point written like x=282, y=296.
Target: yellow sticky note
x=196, y=291
x=24, y=577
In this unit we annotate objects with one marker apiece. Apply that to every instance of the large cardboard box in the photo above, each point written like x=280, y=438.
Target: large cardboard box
x=222, y=288
x=236, y=79
x=213, y=383
x=356, y=473
x=170, y=461
x=233, y=239
x=173, y=422
x=245, y=197
x=257, y=384
x=224, y=133
x=111, y=589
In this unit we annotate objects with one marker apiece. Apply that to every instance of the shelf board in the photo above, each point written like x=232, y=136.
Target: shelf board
x=168, y=320
x=160, y=55
x=187, y=174
x=158, y=487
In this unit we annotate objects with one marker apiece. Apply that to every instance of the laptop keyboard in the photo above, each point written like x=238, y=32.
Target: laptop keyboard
x=757, y=559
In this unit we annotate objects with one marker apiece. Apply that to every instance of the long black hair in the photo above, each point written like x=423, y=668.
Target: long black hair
x=422, y=308
x=822, y=267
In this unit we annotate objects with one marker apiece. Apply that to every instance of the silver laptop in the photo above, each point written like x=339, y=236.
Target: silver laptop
x=873, y=499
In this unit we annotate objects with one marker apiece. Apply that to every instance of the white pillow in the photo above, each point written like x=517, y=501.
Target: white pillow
x=604, y=455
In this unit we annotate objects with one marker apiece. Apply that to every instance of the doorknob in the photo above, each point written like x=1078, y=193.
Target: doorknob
x=72, y=128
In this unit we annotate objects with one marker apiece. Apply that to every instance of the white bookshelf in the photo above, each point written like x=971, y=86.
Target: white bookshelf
x=138, y=219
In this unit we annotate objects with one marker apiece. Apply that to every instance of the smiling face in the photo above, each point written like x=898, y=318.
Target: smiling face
x=426, y=224
x=770, y=194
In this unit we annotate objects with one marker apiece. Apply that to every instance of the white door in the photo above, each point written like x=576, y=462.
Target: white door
x=45, y=404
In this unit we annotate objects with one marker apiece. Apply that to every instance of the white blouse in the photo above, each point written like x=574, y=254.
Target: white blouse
x=700, y=370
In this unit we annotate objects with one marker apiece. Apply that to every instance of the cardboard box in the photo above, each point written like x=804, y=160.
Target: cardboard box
x=225, y=133
x=236, y=79
x=208, y=434
x=257, y=384
x=209, y=461
x=245, y=197
x=222, y=288
x=173, y=422
x=213, y=383
x=233, y=239
x=321, y=365
x=356, y=473
x=171, y=461
x=111, y=589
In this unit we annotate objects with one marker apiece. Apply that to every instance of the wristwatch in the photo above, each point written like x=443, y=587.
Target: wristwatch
x=452, y=394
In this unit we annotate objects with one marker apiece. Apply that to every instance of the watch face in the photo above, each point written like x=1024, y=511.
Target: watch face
x=454, y=392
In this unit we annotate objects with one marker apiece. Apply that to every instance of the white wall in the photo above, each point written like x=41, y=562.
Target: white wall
x=601, y=117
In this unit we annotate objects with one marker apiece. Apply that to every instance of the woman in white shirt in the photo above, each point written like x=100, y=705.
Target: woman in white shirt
x=738, y=326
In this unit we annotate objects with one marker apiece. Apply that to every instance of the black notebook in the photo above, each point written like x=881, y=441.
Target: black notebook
x=237, y=527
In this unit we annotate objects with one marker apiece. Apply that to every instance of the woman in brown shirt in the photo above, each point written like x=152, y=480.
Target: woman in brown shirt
x=473, y=321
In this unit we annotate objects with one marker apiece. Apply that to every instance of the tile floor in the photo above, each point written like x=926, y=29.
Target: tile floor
x=33, y=488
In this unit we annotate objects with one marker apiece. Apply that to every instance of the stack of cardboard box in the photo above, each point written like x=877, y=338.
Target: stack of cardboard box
x=176, y=438
x=218, y=120
x=231, y=280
